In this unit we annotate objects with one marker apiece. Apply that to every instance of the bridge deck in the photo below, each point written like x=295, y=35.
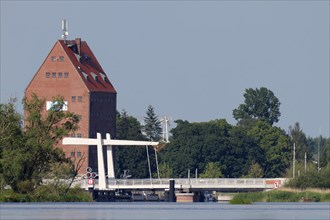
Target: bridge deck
x=216, y=184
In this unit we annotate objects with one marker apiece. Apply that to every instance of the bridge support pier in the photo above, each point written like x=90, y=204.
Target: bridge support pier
x=171, y=196
x=188, y=197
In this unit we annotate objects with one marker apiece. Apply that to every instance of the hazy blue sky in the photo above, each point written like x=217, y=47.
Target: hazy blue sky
x=191, y=60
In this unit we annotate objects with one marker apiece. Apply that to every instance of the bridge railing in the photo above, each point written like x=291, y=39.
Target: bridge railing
x=195, y=183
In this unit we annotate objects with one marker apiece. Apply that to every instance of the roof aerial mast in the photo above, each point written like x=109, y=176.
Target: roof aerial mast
x=65, y=30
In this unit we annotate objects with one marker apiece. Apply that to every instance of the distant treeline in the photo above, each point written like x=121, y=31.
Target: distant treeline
x=254, y=147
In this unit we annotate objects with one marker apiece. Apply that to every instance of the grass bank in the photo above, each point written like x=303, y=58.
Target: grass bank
x=283, y=195
x=44, y=194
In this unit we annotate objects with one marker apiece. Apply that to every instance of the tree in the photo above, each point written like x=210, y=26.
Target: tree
x=10, y=124
x=255, y=171
x=165, y=171
x=244, y=150
x=152, y=127
x=10, y=132
x=212, y=170
x=325, y=153
x=65, y=170
x=299, y=138
x=26, y=162
x=193, y=145
x=132, y=158
x=259, y=104
x=275, y=144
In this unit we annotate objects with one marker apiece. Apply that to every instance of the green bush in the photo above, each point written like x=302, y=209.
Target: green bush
x=46, y=193
x=312, y=180
x=242, y=201
x=247, y=198
x=11, y=196
x=325, y=197
x=282, y=196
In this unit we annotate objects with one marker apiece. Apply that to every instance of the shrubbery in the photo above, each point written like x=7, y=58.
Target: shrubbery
x=280, y=196
x=312, y=180
x=46, y=193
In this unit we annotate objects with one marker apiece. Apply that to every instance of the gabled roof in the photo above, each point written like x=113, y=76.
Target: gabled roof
x=87, y=66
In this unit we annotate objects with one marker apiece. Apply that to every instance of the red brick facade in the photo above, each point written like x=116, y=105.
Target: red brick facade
x=72, y=71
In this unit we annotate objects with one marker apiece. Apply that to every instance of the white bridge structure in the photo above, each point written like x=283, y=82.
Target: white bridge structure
x=193, y=184
x=99, y=142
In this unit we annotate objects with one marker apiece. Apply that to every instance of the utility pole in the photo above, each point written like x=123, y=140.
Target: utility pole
x=294, y=160
x=318, y=155
x=305, y=162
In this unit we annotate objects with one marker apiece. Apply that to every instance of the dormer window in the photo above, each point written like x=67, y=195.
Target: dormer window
x=104, y=77
x=85, y=75
x=94, y=76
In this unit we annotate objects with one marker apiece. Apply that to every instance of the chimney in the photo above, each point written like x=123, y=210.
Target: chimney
x=78, y=43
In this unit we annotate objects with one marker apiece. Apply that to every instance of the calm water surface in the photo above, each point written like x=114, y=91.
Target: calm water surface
x=130, y=211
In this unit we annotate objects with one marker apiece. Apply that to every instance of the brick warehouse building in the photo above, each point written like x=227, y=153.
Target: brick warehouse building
x=72, y=71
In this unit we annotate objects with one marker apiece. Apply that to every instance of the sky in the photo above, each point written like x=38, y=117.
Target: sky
x=190, y=60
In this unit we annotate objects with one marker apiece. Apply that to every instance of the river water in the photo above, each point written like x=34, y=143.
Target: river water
x=160, y=210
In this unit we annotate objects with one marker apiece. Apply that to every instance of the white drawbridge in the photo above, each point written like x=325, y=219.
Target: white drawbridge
x=99, y=142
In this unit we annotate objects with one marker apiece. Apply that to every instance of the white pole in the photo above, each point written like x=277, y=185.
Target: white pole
x=166, y=128
x=318, y=155
x=305, y=162
x=157, y=163
x=189, y=177
x=100, y=162
x=163, y=128
x=111, y=170
x=294, y=160
x=149, y=162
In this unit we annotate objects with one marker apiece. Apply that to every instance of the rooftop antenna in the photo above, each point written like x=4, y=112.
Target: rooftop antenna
x=165, y=124
x=65, y=29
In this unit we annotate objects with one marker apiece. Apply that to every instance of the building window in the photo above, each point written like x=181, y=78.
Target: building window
x=60, y=75
x=72, y=135
x=79, y=117
x=53, y=59
x=79, y=135
x=61, y=58
x=55, y=106
x=78, y=154
x=73, y=98
x=66, y=75
x=79, y=98
x=53, y=75
x=72, y=154
x=47, y=74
